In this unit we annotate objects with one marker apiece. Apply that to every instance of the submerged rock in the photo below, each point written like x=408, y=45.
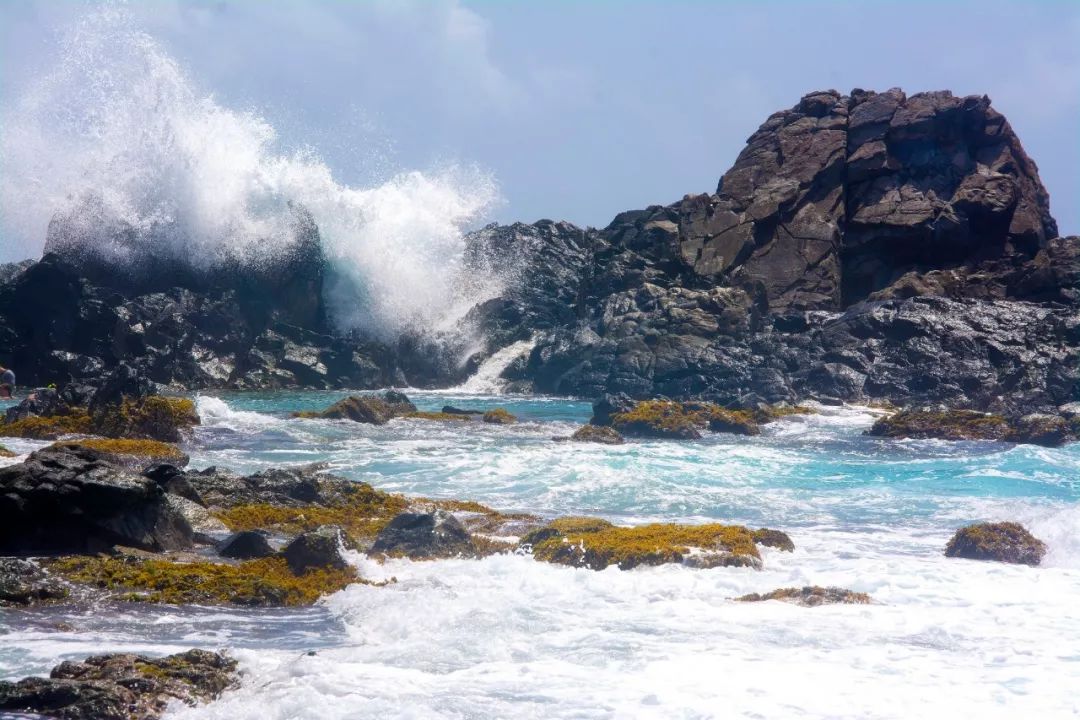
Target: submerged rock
x=598, y=434
x=121, y=686
x=811, y=596
x=424, y=536
x=1007, y=542
x=73, y=499
x=499, y=416
x=597, y=544
x=774, y=539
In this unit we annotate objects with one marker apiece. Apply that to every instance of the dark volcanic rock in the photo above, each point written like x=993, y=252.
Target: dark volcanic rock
x=1005, y=541
x=423, y=536
x=72, y=500
x=42, y=402
x=318, y=548
x=280, y=487
x=23, y=583
x=121, y=686
x=245, y=545
x=1036, y=429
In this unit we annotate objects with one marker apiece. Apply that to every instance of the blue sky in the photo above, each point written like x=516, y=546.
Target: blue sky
x=581, y=110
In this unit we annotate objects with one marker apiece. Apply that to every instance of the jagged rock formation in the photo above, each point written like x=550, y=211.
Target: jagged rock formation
x=869, y=246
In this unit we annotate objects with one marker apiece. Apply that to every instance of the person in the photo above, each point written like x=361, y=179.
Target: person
x=7, y=382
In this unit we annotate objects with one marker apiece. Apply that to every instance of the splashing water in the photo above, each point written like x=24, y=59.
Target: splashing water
x=488, y=377
x=118, y=138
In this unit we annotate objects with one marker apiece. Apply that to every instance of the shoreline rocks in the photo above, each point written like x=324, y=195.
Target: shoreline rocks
x=122, y=686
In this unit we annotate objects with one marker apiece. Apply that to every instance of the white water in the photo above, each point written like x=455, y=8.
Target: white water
x=116, y=136
x=488, y=377
x=510, y=637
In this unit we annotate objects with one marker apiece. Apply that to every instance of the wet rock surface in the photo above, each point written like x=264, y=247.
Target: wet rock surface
x=121, y=686
x=23, y=582
x=72, y=499
x=424, y=536
x=1049, y=430
x=1007, y=542
x=322, y=547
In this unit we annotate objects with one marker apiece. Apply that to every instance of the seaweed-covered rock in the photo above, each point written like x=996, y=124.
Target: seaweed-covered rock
x=245, y=545
x=22, y=582
x=598, y=434
x=774, y=539
x=1007, y=542
x=811, y=596
x=5, y=453
x=155, y=417
x=262, y=582
x=121, y=686
x=1044, y=429
x=320, y=548
x=499, y=416
x=942, y=425
x=597, y=544
x=684, y=421
x=73, y=499
x=424, y=536
x=368, y=409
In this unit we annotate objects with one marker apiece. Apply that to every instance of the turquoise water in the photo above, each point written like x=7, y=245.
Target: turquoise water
x=510, y=637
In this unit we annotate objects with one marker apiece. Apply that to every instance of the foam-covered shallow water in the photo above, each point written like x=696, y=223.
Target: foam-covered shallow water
x=510, y=637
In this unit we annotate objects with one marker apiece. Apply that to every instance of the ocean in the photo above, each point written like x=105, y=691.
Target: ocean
x=509, y=637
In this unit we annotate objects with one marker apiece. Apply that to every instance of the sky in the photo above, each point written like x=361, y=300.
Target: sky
x=581, y=110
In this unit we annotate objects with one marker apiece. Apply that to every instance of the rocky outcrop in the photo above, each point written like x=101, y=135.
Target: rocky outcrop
x=424, y=536
x=867, y=246
x=245, y=545
x=73, y=500
x=121, y=686
x=1007, y=542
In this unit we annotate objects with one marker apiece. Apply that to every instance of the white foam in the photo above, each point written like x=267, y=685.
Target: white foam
x=215, y=412
x=510, y=637
x=487, y=380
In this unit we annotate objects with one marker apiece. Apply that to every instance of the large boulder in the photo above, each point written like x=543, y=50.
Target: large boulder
x=1007, y=542
x=65, y=500
x=423, y=536
x=367, y=409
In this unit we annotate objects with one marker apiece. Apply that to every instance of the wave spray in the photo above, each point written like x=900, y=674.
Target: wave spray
x=117, y=134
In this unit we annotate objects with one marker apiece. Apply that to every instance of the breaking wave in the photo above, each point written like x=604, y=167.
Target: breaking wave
x=117, y=136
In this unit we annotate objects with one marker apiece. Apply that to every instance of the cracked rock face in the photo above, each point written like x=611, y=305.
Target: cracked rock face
x=804, y=275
